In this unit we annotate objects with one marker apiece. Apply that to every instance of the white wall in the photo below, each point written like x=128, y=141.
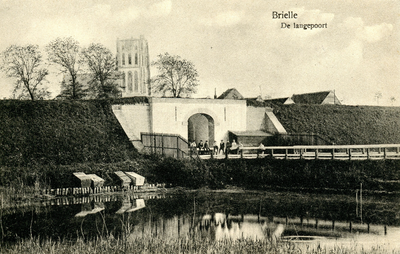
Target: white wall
x=170, y=115
x=134, y=119
x=255, y=118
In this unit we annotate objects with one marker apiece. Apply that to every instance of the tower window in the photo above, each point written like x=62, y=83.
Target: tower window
x=136, y=82
x=123, y=59
x=136, y=59
x=225, y=114
x=123, y=81
x=129, y=59
x=143, y=81
x=130, y=81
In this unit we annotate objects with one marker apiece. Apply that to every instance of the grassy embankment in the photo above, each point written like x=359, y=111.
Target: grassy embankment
x=42, y=141
x=340, y=124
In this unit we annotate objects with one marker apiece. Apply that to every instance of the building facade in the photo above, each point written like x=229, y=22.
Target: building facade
x=134, y=63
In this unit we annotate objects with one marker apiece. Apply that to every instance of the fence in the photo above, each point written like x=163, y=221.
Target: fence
x=78, y=191
x=171, y=145
x=324, y=152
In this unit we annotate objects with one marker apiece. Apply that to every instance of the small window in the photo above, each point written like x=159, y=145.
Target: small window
x=123, y=59
x=130, y=81
x=123, y=82
x=136, y=59
x=225, y=114
x=136, y=82
x=129, y=59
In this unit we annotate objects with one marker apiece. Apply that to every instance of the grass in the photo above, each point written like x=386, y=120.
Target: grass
x=111, y=245
x=343, y=124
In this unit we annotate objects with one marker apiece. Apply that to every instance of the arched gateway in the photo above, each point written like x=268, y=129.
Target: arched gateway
x=191, y=119
x=201, y=127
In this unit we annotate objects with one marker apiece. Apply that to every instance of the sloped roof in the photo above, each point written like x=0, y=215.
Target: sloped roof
x=284, y=100
x=310, y=98
x=258, y=98
x=231, y=93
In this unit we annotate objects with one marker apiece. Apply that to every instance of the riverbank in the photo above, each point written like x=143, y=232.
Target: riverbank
x=20, y=184
x=109, y=245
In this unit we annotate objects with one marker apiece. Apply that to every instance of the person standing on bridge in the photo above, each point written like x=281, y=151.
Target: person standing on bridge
x=261, y=148
x=200, y=147
x=228, y=147
x=215, y=147
x=222, y=147
x=206, y=147
x=234, y=147
x=193, y=147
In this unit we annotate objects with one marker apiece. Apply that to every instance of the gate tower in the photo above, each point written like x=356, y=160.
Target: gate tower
x=134, y=63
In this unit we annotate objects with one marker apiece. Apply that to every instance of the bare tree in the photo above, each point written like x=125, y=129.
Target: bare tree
x=392, y=100
x=23, y=63
x=378, y=95
x=102, y=65
x=65, y=53
x=176, y=77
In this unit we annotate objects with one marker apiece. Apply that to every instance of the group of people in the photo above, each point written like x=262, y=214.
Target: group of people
x=222, y=148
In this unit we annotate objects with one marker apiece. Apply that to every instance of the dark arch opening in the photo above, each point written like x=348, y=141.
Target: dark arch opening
x=201, y=127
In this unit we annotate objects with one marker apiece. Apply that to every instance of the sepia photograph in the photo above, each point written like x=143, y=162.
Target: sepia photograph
x=212, y=126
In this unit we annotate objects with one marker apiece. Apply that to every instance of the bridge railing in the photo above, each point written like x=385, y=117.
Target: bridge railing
x=323, y=152
x=171, y=145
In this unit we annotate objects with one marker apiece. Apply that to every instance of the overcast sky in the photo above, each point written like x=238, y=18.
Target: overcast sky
x=234, y=43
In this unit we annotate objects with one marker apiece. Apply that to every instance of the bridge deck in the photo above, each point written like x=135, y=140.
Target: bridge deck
x=325, y=152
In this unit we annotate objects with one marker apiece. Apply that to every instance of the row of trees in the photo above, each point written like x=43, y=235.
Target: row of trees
x=177, y=77
x=26, y=66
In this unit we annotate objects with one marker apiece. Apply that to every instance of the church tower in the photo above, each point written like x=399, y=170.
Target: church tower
x=134, y=62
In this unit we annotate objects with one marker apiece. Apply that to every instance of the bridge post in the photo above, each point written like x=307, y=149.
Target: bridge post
x=350, y=154
x=177, y=147
x=286, y=154
x=368, y=156
x=162, y=144
x=333, y=153
x=316, y=154
x=384, y=153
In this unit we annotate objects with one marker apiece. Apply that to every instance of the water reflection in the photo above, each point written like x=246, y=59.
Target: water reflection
x=90, y=208
x=129, y=205
x=216, y=216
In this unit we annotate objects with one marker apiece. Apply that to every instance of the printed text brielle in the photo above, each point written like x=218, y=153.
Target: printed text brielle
x=292, y=15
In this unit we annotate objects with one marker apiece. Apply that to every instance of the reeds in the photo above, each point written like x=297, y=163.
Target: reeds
x=180, y=245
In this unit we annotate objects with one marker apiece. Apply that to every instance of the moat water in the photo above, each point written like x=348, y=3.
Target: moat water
x=329, y=219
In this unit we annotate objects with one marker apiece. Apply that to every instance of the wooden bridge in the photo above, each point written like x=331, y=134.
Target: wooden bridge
x=322, y=152
x=176, y=146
